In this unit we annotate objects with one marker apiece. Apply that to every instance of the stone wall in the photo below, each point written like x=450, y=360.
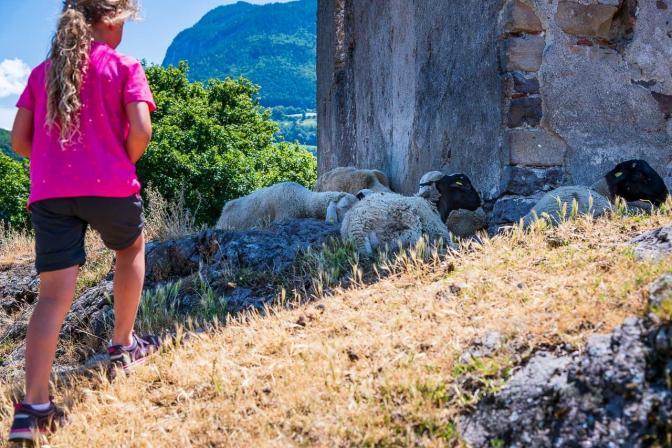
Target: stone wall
x=522, y=95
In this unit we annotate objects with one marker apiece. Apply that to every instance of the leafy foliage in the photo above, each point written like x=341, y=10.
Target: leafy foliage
x=273, y=45
x=15, y=182
x=6, y=145
x=214, y=143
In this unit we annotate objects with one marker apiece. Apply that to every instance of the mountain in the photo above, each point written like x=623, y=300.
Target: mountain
x=274, y=45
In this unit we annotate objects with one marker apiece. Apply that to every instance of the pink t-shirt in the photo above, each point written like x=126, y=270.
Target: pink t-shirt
x=95, y=162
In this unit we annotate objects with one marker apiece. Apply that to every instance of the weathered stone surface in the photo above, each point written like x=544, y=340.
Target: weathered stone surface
x=524, y=53
x=536, y=147
x=650, y=51
x=527, y=181
x=654, y=245
x=510, y=209
x=415, y=93
x=522, y=84
x=615, y=394
x=519, y=17
x=271, y=249
x=585, y=20
x=408, y=91
x=526, y=110
x=591, y=103
x=18, y=287
x=660, y=292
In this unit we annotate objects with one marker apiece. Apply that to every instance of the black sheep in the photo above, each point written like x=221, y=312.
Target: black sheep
x=635, y=180
x=457, y=193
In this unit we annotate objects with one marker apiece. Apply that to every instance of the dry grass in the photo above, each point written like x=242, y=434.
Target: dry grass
x=16, y=246
x=373, y=365
x=167, y=220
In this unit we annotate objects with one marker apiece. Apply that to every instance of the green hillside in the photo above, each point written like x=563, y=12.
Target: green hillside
x=273, y=45
x=5, y=144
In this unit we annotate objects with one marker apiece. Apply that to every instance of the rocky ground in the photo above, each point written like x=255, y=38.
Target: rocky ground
x=554, y=338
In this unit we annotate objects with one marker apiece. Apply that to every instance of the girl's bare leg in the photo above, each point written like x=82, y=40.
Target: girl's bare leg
x=129, y=277
x=57, y=289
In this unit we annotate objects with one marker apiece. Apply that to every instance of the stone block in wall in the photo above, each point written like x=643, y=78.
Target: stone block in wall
x=585, y=20
x=526, y=110
x=524, y=53
x=520, y=18
x=521, y=84
x=536, y=147
x=509, y=209
x=525, y=181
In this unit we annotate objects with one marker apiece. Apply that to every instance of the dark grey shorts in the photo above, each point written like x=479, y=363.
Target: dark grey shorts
x=60, y=226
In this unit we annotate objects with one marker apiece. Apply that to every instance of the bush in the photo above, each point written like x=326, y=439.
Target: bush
x=214, y=142
x=15, y=182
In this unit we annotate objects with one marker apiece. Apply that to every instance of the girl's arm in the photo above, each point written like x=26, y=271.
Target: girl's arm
x=22, y=133
x=140, y=131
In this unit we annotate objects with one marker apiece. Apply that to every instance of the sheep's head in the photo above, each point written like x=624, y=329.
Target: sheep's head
x=456, y=192
x=636, y=180
x=428, y=188
x=337, y=209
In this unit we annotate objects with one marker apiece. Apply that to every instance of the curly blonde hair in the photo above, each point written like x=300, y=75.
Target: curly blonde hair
x=69, y=56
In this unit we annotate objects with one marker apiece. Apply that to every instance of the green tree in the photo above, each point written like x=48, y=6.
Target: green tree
x=215, y=142
x=15, y=182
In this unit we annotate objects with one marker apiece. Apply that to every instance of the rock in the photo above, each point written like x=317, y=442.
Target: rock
x=18, y=287
x=527, y=181
x=614, y=394
x=465, y=223
x=524, y=53
x=485, y=345
x=654, y=245
x=522, y=84
x=271, y=249
x=526, y=110
x=660, y=293
x=520, y=18
x=536, y=147
x=585, y=20
x=510, y=209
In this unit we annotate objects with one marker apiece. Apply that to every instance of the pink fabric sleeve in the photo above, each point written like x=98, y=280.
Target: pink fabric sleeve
x=137, y=88
x=27, y=98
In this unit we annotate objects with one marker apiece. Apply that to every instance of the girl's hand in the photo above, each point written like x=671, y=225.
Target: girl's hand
x=140, y=131
x=22, y=133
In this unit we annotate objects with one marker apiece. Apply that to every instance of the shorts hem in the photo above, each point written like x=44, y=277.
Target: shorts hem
x=126, y=244
x=42, y=269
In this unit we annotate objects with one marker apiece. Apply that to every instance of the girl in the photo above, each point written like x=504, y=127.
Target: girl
x=83, y=120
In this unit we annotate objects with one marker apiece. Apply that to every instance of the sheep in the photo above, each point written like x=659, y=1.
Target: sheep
x=635, y=180
x=286, y=200
x=559, y=203
x=428, y=188
x=387, y=219
x=352, y=180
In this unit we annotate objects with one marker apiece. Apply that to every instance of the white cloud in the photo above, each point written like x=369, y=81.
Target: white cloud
x=7, y=115
x=13, y=77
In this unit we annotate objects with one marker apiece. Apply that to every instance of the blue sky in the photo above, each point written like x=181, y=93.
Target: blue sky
x=28, y=26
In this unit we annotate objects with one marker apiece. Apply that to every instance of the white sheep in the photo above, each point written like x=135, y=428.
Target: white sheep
x=390, y=219
x=286, y=200
x=427, y=186
x=352, y=180
x=564, y=202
